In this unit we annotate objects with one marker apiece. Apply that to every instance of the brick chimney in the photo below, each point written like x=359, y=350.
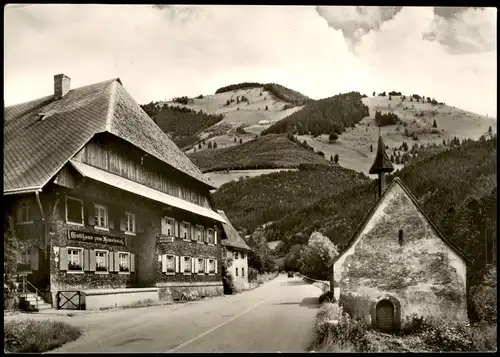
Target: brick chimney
x=61, y=85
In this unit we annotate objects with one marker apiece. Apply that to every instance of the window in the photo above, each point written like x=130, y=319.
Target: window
x=24, y=257
x=236, y=271
x=169, y=228
x=210, y=234
x=235, y=255
x=101, y=216
x=75, y=259
x=242, y=255
x=74, y=211
x=170, y=264
x=201, y=265
x=129, y=222
x=101, y=260
x=124, y=262
x=198, y=233
x=26, y=212
x=243, y=272
x=186, y=231
x=211, y=266
x=187, y=265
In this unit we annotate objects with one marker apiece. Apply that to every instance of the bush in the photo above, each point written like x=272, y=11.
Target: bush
x=326, y=297
x=356, y=306
x=37, y=336
x=333, y=137
x=252, y=274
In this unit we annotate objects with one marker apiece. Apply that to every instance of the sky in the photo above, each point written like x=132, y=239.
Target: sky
x=163, y=51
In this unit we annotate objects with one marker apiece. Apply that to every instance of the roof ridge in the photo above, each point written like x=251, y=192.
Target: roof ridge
x=111, y=107
x=51, y=95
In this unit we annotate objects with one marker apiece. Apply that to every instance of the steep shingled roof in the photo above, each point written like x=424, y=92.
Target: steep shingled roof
x=233, y=239
x=36, y=147
x=382, y=162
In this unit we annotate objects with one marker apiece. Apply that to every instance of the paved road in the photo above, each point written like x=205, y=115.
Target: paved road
x=277, y=316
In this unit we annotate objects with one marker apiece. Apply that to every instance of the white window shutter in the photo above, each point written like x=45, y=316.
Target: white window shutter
x=195, y=265
x=205, y=261
x=132, y=263
x=177, y=264
x=192, y=264
x=111, y=266
x=164, y=228
x=181, y=264
x=63, y=259
x=117, y=261
x=215, y=262
x=164, y=263
x=215, y=236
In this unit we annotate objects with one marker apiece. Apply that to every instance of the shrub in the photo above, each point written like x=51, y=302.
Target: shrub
x=442, y=335
x=37, y=336
x=333, y=137
x=356, y=306
x=326, y=297
x=252, y=274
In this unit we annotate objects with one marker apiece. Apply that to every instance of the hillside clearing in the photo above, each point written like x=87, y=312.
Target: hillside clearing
x=222, y=177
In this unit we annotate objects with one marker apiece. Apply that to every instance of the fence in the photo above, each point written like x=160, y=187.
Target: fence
x=326, y=284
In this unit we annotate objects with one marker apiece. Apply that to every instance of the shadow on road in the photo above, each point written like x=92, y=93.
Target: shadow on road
x=310, y=302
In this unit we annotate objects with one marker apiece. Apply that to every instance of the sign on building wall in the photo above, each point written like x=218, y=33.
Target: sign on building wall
x=95, y=238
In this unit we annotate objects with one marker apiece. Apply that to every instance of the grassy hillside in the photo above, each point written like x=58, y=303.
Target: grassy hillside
x=417, y=119
x=256, y=201
x=323, y=116
x=268, y=152
x=457, y=188
x=281, y=92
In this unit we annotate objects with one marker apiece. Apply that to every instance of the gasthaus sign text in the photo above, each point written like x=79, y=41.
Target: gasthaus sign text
x=95, y=238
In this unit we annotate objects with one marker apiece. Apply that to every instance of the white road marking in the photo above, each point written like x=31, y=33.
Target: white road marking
x=216, y=327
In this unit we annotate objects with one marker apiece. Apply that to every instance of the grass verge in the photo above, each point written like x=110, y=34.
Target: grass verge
x=37, y=336
x=136, y=304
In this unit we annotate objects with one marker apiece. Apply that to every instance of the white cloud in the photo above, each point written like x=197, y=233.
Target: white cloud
x=178, y=51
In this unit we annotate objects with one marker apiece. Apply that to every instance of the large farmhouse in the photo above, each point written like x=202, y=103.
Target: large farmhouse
x=106, y=207
x=397, y=262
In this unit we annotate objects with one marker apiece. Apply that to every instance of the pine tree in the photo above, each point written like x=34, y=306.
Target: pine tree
x=434, y=125
x=241, y=141
x=266, y=107
x=209, y=144
x=390, y=97
x=490, y=130
x=199, y=145
x=336, y=158
x=215, y=145
x=331, y=158
x=234, y=139
x=371, y=148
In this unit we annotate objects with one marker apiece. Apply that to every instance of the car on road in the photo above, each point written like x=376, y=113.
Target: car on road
x=290, y=274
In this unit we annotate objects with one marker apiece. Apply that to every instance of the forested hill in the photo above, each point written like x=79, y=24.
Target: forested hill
x=279, y=91
x=181, y=123
x=269, y=152
x=323, y=116
x=252, y=202
x=457, y=188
